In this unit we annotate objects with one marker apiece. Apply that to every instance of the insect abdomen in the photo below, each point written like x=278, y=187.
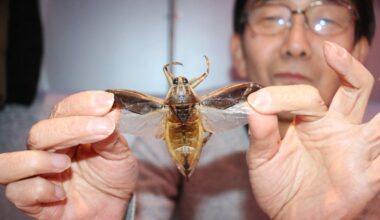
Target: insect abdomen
x=184, y=141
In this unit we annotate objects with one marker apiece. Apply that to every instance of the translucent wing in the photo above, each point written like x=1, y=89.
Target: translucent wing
x=227, y=107
x=141, y=115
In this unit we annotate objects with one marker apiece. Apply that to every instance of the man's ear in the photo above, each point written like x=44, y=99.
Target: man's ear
x=360, y=50
x=238, y=56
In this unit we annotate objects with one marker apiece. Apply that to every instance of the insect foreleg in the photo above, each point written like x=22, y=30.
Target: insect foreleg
x=195, y=82
x=169, y=75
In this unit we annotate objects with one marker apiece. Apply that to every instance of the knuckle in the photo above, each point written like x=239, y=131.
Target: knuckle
x=39, y=188
x=50, y=132
x=54, y=111
x=35, y=162
x=61, y=108
x=31, y=190
x=9, y=191
x=33, y=136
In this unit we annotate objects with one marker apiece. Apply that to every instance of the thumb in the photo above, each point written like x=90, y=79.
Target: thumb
x=265, y=136
x=302, y=101
x=115, y=146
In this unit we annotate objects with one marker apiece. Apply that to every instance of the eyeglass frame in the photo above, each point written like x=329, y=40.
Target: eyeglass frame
x=353, y=11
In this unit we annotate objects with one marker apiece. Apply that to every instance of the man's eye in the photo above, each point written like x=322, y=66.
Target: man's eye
x=325, y=23
x=273, y=20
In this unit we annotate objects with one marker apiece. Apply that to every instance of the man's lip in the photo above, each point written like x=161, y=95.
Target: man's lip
x=290, y=77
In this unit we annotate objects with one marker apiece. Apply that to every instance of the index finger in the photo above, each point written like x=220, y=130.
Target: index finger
x=89, y=103
x=356, y=83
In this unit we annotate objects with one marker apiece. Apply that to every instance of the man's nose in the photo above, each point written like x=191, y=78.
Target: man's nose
x=296, y=43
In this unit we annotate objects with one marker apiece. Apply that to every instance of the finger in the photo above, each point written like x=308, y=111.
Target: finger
x=264, y=138
x=34, y=191
x=115, y=147
x=23, y=164
x=303, y=101
x=95, y=103
x=60, y=133
x=356, y=83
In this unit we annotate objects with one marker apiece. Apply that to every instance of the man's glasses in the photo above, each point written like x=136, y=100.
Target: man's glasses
x=323, y=18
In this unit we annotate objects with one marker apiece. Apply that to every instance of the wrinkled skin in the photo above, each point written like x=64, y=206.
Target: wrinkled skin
x=310, y=155
x=92, y=173
x=326, y=166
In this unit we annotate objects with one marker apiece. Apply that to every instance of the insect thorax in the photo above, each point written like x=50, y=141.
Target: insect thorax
x=182, y=101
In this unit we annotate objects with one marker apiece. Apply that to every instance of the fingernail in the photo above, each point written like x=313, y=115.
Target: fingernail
x=340, y=56
x=101, y=126
x=59, y=192
x=104, y=99
x=335, y=49
x=330, y=47
x=259, y=99
x=60, y=161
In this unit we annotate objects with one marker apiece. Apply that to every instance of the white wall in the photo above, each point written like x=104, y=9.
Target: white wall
x=98, y=44
x=204, y=27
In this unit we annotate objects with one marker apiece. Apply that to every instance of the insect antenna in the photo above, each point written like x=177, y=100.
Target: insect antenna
x=195, y=82
x=169, y=75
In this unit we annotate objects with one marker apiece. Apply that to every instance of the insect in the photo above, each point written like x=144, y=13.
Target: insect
x=184, y=120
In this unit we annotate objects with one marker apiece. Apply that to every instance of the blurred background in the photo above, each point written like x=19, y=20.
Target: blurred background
x=60, y=47
x=124, y=43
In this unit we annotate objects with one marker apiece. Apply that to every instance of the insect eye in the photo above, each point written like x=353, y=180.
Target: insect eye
x=175, y=81
x=185, y=81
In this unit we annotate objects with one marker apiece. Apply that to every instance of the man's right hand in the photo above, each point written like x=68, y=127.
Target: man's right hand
x=92, y=172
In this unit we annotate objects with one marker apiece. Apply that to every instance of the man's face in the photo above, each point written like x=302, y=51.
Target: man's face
x=293, y=56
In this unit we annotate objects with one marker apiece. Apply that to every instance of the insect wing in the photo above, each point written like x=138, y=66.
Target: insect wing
x=141, y=115
x=216, y=120
x=226, y=108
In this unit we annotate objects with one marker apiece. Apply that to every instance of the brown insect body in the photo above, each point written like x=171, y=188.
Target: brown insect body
x=184, y=133
x=183, y=120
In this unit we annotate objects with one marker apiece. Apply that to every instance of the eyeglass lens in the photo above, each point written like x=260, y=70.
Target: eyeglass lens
x=324, y=19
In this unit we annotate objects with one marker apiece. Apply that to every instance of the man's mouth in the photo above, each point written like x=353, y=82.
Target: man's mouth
x=291, y=78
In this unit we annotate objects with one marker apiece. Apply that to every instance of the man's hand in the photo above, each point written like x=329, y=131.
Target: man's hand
x=103, y=172
x=327, y=166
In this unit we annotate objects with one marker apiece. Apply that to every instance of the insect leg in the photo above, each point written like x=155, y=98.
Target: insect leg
x=169, y=75
x=207, y=138
x=195, y=82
